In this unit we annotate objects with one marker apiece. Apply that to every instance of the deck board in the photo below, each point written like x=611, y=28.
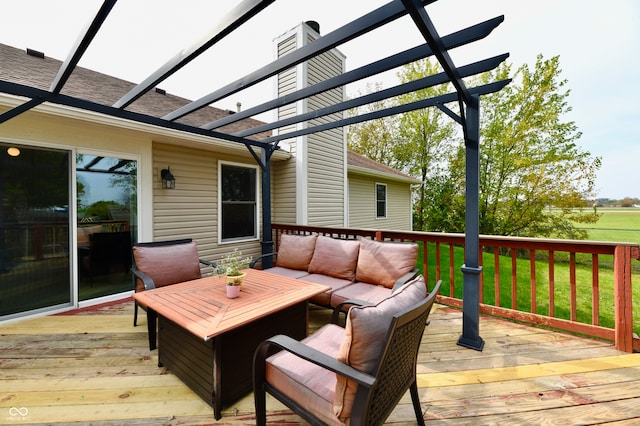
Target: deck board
x=94, y=366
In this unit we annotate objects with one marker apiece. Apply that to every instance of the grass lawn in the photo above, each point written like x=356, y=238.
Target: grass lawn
x=615, y=224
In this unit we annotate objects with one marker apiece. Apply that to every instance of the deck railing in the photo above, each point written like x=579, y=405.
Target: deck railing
x=552, y=283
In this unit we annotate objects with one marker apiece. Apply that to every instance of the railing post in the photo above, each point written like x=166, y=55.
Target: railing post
x=623, y=299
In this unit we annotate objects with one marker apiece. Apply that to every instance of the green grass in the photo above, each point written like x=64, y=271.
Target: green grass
x=615, y=224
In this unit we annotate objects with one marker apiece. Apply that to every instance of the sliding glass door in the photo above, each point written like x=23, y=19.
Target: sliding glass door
x=107, y=210
x=35, y=271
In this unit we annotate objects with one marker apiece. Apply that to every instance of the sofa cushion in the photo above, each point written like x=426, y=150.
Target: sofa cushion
x=384, y=263
x=168, y=264
x=364, y=338
x=361, y=291
x=287, y=272
x=295, y=251
x=336, y=258
x=308, y=384
x=324, y=298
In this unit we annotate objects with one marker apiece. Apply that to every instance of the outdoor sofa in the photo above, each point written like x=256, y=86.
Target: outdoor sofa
x=366, y=270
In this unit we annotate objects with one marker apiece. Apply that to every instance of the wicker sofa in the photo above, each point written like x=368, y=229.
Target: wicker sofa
x=366, y=270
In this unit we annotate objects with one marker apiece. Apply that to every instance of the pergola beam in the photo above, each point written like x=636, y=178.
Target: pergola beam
x=60, y=99
x=428, y=30
x=412, y=86
x=233, y=20
x=81, y=46
x=379, y=17
x=425, y=103
x=459, y=38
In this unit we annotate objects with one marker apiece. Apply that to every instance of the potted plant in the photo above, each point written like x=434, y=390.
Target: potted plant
x=232, y=266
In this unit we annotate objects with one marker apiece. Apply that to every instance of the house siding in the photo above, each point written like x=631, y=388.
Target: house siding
x=326, y=149
x=362, y=204
x=191, y=210
x=283, y=175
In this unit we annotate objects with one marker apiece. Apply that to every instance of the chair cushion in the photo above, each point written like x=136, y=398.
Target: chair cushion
x=324, y=298
x=383, y=263
x=306, y=383
x=361, y=291
x=168, y=264
x=365, y=336
x=295, y=251
x=287, y=272
x=336, y=258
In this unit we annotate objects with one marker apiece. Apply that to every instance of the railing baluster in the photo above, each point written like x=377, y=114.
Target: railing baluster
x=452, y=272
x=514, y=281
x=573, y=286
x=595, y=291
x=552, y=284
x=532, y=274
x=496, y=274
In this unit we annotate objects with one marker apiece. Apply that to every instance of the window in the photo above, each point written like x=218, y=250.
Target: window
x=238, y=202
x=381, y=201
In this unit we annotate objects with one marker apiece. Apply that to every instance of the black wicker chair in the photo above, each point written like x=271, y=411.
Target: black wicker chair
x=163, y=263
x=376, y=394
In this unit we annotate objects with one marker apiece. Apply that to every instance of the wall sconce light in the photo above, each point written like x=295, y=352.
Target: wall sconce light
x=168, y=181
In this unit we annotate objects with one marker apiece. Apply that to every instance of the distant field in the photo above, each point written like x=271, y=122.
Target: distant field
x=615, y=224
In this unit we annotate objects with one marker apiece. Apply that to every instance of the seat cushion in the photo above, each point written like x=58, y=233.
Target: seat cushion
x=295, y=251
x=308, y=384
x=361, y=291
x=287, y=272
x=324, y=298
x=168, y=264
x=383, y=263
x=336, y=258
x=365, y=337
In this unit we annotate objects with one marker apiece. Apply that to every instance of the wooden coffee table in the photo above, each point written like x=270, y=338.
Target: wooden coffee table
x=208, y=340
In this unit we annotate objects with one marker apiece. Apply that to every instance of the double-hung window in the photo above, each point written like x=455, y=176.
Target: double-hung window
x=381, y=201
x=238, y=202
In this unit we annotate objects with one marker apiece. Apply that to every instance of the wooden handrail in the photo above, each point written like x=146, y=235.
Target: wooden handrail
x=517, y=248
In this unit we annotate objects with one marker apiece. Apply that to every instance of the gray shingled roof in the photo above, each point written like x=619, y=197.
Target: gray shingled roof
x=18, y=67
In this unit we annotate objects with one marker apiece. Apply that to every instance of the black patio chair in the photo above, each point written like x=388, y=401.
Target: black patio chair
x=324, y=385
x=162, y=263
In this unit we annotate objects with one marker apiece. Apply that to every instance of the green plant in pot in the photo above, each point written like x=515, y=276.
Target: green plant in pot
x=232, y=266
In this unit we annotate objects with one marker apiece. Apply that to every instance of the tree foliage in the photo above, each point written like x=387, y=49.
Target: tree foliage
x=533, y=174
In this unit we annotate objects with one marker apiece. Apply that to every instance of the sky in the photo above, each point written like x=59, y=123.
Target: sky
x=598, y=44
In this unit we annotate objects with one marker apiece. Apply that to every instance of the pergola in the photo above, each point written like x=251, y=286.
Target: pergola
x=467, y=100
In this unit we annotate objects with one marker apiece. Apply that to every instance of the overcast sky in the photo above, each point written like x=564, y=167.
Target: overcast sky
x=598, y=44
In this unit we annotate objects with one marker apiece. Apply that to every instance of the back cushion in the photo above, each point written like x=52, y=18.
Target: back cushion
x=364, y=339
x=295, y=251
x=168, y=264
x=336, y=258
x=384, y=263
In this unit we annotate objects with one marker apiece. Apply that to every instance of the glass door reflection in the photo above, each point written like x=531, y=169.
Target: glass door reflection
x=107, y=211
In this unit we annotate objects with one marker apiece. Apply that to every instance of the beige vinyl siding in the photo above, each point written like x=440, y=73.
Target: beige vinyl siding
x=362, y=204
x=283, y=175
x=191, y=210
x=326, y=155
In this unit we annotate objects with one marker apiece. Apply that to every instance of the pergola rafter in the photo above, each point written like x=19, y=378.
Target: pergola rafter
x=468, y=100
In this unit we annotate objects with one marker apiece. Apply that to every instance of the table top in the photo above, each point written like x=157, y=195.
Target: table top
x=202, y=306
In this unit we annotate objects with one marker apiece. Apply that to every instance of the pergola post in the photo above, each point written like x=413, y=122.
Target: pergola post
x=471, y=269
x=267, y=242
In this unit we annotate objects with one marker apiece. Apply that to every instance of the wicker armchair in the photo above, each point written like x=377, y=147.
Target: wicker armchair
x=355, y=375
x=163, y=263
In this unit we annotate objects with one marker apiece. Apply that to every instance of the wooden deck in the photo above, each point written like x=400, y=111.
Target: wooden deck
x=95, y=367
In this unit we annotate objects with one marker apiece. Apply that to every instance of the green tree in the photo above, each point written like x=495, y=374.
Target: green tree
x=374, y=139
x=529, y=158
x=423, y=145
